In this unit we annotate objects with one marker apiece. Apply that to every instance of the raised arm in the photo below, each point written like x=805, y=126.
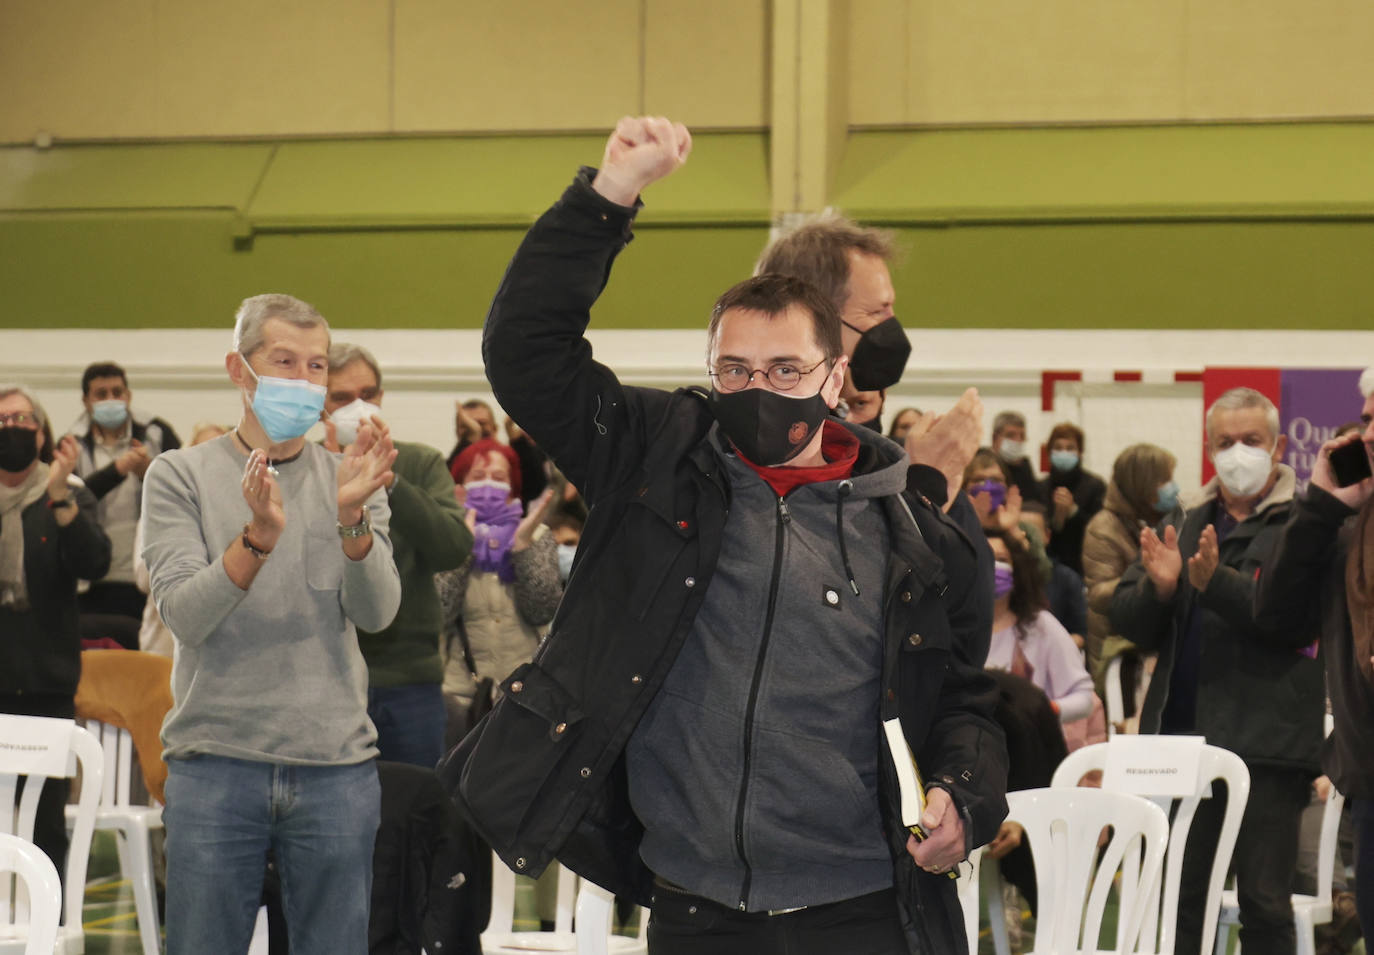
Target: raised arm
x=538, y=362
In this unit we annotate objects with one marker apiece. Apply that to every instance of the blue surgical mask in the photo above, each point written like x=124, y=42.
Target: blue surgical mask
x=1167, y=498
x=566, y=552
x=1063, y=460
x=286, y=407
x=110, y=414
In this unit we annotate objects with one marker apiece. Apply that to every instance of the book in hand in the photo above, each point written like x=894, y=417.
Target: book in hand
x=909, y=785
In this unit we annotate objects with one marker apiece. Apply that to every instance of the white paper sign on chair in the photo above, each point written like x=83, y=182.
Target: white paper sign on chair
x=34, y=746
x=1153, y=765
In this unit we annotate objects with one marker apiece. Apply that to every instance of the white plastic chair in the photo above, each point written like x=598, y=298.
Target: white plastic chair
x=70, y=746
x=1309, y=911
x=595, y=906
x=1214, y=762
x=1073, y=880
x=968, y=897
x=132, y=824
x=38, y=909
x=592, y=904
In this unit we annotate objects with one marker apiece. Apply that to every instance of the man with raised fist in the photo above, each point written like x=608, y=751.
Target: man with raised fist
x=753, y=594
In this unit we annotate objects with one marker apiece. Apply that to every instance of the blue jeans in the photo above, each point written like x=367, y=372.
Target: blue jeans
x=410, y=722
x=223, y=815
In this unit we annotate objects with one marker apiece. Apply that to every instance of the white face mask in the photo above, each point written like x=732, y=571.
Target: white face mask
x=1244, y=469
x=348, y=419
x=1011, y=451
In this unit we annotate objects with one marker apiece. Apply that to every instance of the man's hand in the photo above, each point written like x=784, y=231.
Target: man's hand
x=1204, y=563
x=943, y=847
x=642, y=150
x=135, y=460
x=535, y=515
x=1162, y=560
x=365, y=467
x=331, y=435
x=1353, y=496
x=947, y=442
x=1009, y=836
x=1064, y=507
x=264, y=499
x=65, y=454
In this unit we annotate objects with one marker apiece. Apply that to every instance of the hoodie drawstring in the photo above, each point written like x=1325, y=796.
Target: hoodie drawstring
x=846, y=488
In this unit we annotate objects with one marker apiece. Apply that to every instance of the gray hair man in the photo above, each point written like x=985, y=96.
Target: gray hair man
x=1190, y=599
x=265, y=554
x=405, y=671
x=848, y=264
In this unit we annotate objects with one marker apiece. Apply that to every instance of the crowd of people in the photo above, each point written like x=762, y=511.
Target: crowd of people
x=651, y=634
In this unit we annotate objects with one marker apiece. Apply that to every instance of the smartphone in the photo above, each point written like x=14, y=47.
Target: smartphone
x=1350, y=464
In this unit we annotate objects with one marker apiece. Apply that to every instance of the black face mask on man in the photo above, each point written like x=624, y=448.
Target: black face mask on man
x=18, y=448
x=766, y=427
x=880, y=356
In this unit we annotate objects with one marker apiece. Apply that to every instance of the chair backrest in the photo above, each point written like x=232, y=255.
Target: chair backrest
x=118, y=748
x=1115, y=702
x=1073, y=879
x=968, y=896
x=1213, y=763
x=503, y=898
x=43, y=893
x=38, y=747
x=595, y=906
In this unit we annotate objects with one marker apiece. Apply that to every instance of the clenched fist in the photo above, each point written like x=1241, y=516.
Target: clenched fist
x=642, y=150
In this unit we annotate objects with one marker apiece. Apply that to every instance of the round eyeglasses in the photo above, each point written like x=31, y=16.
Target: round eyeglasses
x=782, y=375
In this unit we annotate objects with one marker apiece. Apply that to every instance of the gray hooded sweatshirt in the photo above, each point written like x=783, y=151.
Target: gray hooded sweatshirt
x=754, y=770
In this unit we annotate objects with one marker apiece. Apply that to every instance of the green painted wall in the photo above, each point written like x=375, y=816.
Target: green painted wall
x=1168, y=227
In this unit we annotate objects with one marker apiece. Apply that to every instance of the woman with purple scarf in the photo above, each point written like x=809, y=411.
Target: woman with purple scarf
x=495, y=604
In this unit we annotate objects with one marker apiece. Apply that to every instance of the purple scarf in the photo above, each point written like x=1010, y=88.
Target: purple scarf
x=497, y=519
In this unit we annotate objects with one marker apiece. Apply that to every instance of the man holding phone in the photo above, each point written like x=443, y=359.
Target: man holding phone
x=1324, y=565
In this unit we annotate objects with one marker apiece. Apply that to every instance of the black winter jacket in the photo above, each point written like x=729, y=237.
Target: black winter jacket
x=1305, y=582
x=42, y=645
x=544, y=774
x=1257, y=695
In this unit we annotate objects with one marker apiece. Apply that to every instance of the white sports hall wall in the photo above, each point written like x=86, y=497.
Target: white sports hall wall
x=180, y=376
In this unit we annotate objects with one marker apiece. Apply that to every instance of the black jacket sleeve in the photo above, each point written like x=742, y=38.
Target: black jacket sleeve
x=83, y=546
x=1287, y=596
x=538, y=362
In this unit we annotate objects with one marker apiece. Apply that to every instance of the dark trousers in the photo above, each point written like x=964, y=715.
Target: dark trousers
x=50, y=820
x=1362, y=810
x=684, y=924
x=410, y=722
x=1265, y=859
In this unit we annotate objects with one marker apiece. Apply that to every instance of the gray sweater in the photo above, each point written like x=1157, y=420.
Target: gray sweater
x=755, y=768
x=272, y=673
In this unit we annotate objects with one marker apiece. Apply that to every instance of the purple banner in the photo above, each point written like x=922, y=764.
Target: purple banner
x=1316, y=402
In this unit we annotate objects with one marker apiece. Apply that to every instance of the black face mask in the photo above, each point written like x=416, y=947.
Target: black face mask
x=880, y=357
x=766, y=427
x=18, y=448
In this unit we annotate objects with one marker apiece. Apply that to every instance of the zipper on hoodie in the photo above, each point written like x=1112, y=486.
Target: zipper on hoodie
x=784, y=518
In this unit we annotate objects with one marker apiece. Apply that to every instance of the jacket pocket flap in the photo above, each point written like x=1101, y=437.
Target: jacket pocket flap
x=928, y=627
x=530, y=688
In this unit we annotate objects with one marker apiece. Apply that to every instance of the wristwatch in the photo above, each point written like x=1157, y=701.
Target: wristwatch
x=360, y=529
x=59, y=505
